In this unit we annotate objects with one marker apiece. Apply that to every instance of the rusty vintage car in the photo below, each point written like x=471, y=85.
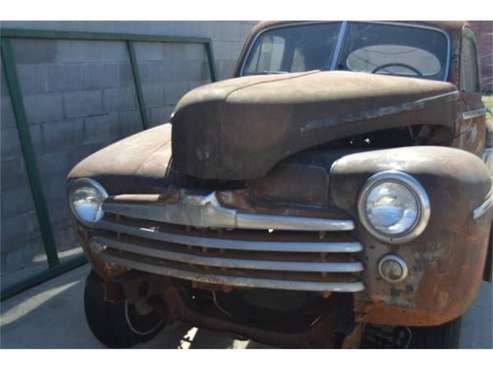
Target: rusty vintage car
x=335, y=193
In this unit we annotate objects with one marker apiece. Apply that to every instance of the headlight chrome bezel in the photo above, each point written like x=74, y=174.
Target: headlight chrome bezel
x=415, y=188
x=80, y=183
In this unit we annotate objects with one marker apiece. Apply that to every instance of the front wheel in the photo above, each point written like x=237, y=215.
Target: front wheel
x=442, y=336
x=118, y=325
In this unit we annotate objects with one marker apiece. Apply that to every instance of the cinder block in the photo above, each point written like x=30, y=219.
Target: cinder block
x=16, y=200
x=26, y=255
x=222, y=49
x=175, y=90
x=83, y=103
x=153, y=95
x=159, y=116
x=152, y=72
x=64, y=77
x=32, y=78
x=118, y=99
x=13, y=173
x=53, y=166
x=130, y=122
x=125, y=74
x=192, y=70
x=59, y=210
x=149, y=51
x=43, y=108
x=7, y=118
x=60, y=135
x=4, y=92
x=65, y=237
x=101, y=129
x=225, y=68
x=99, y=76
x=34, y=51
x=194, y=51
x=54, y=187
x=91, y=51
x=10, y=142
x=13, y=234
x=236, y=48
x=10, y=145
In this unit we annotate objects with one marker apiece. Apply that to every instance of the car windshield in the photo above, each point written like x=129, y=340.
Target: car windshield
x=293, y=49
x=379, y=48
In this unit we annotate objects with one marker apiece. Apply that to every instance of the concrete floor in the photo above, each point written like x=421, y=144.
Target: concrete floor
x=51, y=316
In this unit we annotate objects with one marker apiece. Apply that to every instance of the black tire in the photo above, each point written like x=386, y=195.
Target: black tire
x=108, y=321
x=442, y=336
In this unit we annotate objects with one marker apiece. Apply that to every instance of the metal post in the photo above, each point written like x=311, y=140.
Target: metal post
x=55, y=267
x=210, y=60
x=137, y=83
x=39, y=200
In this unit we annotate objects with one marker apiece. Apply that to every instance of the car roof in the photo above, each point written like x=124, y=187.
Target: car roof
x=444, y=25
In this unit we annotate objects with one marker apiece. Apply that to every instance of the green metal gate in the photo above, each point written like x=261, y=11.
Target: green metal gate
x=55, y=267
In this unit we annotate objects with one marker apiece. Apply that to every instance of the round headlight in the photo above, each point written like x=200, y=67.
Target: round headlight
x=394, y=207
x=86, y=199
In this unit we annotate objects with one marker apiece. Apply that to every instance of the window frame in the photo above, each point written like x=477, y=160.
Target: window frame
x=469, y=34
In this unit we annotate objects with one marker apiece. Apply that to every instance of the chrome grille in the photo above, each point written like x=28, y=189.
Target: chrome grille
x=277, y=259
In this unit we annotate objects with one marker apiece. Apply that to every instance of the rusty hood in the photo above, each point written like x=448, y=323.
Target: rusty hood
x=238, y=129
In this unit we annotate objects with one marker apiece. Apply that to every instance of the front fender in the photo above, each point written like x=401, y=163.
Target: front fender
x=446, y=262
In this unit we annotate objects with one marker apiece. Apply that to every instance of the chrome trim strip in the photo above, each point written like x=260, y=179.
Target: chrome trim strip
x=336, y=57
x=251, y=264
x=239, y=281
x=245, y=245
x=206, y=211
x=259, y=221
x=483, y=208
x=378, y=112
x=474, y=113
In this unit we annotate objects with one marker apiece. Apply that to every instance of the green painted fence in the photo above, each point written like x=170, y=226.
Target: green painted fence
x=55, y=267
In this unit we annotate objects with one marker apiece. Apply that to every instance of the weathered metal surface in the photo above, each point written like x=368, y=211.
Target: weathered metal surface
x=445, y=262
x=249, y=124
x=249, y=130
x=470, y=129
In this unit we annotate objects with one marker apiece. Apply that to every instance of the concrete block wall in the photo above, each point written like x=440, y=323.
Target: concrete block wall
x=79, y=96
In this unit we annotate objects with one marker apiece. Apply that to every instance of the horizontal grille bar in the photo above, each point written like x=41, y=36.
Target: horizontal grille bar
x=154, y=267
x=253, y=264
x=248, y=245
x=207, y=211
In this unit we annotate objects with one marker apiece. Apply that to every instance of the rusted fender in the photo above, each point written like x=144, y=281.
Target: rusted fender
x=446, y=261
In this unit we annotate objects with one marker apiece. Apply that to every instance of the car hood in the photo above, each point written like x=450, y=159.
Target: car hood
x=238, y=129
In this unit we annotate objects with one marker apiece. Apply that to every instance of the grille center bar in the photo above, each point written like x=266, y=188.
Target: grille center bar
x=207, y=211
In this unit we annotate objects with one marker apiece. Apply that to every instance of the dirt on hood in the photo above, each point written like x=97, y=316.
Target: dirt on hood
x=238, y=129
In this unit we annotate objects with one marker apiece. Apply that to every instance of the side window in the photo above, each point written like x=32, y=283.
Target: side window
x=469, y=69
x=268, y=57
